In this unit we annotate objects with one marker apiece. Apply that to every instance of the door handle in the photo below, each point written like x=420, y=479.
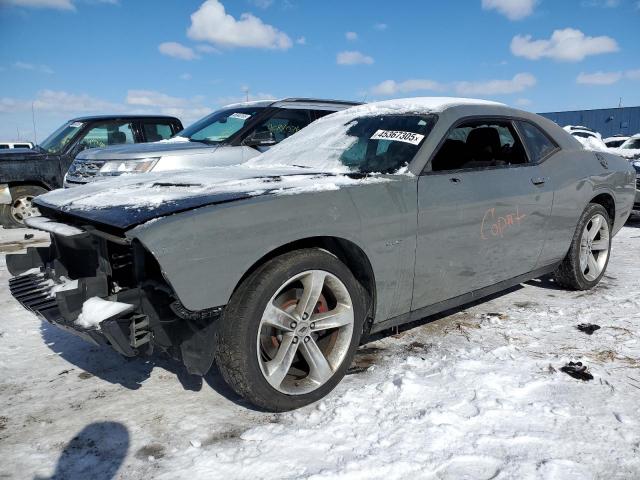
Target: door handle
x=455, y=179
x=539, y=180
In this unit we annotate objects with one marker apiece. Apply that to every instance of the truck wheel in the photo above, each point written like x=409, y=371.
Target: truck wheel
x=21, y=207
x=290, y=330
x=588, y=256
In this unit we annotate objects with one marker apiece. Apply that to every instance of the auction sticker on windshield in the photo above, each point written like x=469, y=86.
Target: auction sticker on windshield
x=398, y=136
x=239, y=116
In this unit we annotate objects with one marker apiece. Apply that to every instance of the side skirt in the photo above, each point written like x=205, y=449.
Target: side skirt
x=460, y=300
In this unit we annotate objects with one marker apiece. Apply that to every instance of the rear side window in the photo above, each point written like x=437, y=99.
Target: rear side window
x=538, y=143
x=154, y=132
x=107, y=134
x=4, y=146
x=21, y=145
x=480, y=144
x=285, y=123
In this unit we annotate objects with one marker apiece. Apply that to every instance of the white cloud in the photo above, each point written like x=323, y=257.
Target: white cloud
x=151, y=101
x=222, y=101
x=33, y=67
x=599, y=78
x=518, y=83
x=568, y=45
x=177, y=50
x=606, y=78
x=512, y=9
x=262, y=3
x=211, y=23
x=353, y=58
x=57, y=101
x=633, y=74
x=204, y=48
x=186, y=76
x=351, y=36
x=301, y=40
x=55, y=4
x=391, y=87
x=523, y=102
x=381, y=26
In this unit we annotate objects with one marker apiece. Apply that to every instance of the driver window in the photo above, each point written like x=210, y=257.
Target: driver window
x=480, y=144
x=107, y=134
x=284, y=124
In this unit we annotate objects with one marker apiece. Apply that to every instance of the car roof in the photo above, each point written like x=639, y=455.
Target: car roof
x=298, y=102
x=93, y=118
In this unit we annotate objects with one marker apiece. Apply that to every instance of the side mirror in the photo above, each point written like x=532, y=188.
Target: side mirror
x=262, y=138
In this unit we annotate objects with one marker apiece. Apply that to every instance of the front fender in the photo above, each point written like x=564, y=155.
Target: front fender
x=204, y=253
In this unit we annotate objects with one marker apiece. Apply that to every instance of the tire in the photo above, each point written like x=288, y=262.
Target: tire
x=248, y=345
x=571, y=272
x=13, y=215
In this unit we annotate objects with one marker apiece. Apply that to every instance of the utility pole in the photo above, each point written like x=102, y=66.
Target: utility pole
x=246, y=93
x=620, y=103
x=33, y=120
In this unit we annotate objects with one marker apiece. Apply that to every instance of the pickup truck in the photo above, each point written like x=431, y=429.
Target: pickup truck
x=25, y=174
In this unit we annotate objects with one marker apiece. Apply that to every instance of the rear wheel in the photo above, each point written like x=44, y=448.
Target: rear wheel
x=588, y=256
x=290, y=330
x=21, y=207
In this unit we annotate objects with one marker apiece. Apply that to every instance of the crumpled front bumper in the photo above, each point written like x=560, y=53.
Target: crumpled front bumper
x=59, y=301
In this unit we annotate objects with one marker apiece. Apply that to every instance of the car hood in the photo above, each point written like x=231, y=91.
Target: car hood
x=143, y=150
x=19, y=154
x=127, y=201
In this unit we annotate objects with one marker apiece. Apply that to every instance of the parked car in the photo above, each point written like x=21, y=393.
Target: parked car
x=615, y=141
x=13, y=145
x=228, y=136
x=25, y=174
x=369, y=218
x=588, y=138
x=636, y=203
x=632, y=143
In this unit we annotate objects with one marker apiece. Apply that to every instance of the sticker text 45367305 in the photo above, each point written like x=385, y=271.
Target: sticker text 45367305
x=398, y=136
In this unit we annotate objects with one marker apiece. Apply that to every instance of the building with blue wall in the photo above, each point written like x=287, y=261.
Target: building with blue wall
x=607, y=121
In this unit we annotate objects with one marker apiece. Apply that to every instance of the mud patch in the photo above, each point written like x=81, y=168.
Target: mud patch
x=588, y=328
x=365, y=358
x=154, y=450
x=223, y=436
x=85, y=375
x=3, y=422
x=577, y=370
x=525, y=304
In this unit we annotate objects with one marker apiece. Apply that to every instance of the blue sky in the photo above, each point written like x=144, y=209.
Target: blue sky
x=75, y=57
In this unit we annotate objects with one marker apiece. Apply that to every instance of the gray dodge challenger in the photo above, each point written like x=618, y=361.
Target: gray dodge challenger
x=278, y=268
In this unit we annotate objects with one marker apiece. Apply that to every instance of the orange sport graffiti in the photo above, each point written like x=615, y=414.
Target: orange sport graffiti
x=496, y=226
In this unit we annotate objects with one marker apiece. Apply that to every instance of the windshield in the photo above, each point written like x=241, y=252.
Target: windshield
x=339, y=143
x=220, y=125
x=632, y=143
x=58, y=140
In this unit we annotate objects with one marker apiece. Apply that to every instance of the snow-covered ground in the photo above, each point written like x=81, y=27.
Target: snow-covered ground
x=477, y=394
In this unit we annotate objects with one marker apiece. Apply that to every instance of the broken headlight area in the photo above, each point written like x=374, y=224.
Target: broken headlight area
x=110, y=291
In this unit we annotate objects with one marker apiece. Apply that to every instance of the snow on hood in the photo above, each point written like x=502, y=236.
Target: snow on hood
x=598, y=145
x=630, y=153
x=152, y=190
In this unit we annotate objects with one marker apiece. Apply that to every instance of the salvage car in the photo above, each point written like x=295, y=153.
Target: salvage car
x=25, y=174
x=371, y=217
x=234, y=134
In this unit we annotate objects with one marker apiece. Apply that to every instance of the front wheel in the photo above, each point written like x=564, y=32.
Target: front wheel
x=588, y=255
x=21, y=207
x=290, y=330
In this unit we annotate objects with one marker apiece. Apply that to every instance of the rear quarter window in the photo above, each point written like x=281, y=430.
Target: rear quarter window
x=538, y=143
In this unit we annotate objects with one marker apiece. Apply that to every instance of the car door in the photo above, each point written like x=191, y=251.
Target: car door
x=482, y=210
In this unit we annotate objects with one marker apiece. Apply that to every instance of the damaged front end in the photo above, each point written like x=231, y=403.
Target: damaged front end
x=85, y=264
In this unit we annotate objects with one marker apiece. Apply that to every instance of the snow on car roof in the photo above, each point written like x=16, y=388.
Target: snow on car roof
x=416, y=104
